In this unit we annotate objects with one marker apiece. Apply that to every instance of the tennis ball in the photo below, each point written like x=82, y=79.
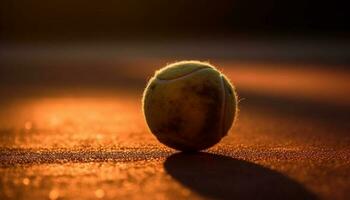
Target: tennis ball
x=189, y=105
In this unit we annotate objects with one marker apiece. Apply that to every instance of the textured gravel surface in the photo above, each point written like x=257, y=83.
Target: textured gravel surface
x=68, y=132
x=100, y=147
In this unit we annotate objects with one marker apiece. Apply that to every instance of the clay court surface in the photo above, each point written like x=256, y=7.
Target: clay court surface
x=71, y=127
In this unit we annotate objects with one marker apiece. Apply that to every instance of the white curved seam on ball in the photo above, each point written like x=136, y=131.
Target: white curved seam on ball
x=181, y=77
x=222, y=117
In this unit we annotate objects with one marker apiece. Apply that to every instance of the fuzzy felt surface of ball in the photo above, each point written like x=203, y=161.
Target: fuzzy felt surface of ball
x=189, y=105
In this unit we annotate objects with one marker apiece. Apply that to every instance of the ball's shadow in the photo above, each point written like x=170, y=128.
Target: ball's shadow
x=222, y=177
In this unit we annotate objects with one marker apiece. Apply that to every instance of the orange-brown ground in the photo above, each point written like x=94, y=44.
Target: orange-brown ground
x=71, y=133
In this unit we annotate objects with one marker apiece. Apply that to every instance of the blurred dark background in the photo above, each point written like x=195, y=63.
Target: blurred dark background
x=40, y=20
x=109, y=43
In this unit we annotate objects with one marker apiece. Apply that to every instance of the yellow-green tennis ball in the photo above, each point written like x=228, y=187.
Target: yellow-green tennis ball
x=189, y=105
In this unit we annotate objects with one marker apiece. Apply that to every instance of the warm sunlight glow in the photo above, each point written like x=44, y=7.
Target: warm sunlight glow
x=74, y=120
